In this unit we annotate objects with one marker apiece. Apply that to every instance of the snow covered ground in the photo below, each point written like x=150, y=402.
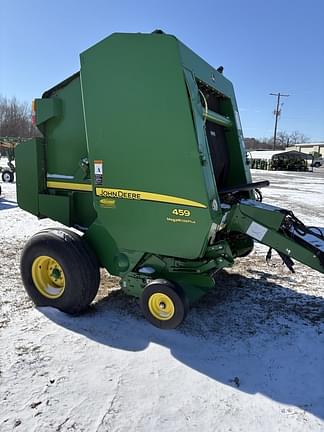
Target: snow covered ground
x=249, y=357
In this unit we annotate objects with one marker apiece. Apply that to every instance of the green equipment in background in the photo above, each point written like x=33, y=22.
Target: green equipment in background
x=288, y=160
x=143, y=152
x=7, y=148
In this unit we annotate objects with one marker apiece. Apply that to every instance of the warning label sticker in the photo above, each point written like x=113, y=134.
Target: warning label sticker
x=98, y=171
x=256, y=231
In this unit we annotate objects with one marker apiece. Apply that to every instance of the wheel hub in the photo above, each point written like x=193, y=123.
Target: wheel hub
x=161, y=306
x=56, y=273
x=48, y=277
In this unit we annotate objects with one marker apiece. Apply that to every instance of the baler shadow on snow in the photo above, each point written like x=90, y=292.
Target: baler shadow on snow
x=143, y=152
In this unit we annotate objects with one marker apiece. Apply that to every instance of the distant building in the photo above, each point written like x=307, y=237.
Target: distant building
x=288, y=160
x=310, y=148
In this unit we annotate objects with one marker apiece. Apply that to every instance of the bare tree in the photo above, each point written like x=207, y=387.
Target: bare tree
x=297, y=137
x=283, y=140
x=15, y=119
x=258, y=143
x=286, y=139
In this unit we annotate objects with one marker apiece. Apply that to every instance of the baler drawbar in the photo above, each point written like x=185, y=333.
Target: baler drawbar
x=142, y=152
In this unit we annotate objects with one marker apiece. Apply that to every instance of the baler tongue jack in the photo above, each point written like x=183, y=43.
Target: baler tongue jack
x=281, y=230
x=285, y=259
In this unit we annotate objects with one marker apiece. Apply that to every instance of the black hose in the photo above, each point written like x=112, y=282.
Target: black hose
x=258, y=195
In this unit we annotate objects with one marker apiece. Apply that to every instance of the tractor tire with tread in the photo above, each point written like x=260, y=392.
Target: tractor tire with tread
x=7, y=176
x=75, y=264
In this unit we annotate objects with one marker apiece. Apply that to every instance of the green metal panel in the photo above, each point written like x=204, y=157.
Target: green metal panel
x=65, y=134
x=30, y=174
x=56, y=207
x=82, y=211
x=47, y=109
x=153, y=149
x=59, y=115
x=199, y=121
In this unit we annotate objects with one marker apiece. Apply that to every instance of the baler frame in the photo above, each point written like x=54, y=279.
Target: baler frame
x=186, y=211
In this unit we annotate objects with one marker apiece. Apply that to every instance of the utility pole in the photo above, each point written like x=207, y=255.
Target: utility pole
x=277, y=113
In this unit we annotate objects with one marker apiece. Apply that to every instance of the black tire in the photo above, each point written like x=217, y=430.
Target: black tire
x=172, y=293
x=317, y=164
x=7, y=176
x=78, y=263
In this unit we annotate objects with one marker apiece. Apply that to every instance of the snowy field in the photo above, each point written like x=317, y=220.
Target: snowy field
x=249, y=357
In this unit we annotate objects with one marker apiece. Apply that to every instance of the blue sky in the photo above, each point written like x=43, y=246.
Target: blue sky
x=264, y=45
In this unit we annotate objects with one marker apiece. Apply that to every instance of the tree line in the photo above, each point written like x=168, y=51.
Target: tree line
x=15, y=119
x=284, y=140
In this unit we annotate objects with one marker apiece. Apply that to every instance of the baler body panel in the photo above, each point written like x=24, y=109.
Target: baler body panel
x=139, y=127
x=61, y=163
x=65, y=135
x=30, y=174
x=126, y=143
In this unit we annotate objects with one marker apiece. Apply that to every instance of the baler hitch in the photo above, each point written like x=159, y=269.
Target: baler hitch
x=311, y=237
x=281, y=230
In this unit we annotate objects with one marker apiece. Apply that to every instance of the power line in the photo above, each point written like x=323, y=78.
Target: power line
x=277, y=113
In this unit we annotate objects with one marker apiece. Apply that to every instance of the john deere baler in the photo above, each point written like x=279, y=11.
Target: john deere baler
x=143, y=152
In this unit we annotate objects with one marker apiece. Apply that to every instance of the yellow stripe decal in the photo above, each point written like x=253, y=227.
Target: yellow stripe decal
x=125, y=194
x=69, y=186
x=146, y=196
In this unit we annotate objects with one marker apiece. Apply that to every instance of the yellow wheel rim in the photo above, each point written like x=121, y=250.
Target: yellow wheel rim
x=48, y=277
x=161, y=306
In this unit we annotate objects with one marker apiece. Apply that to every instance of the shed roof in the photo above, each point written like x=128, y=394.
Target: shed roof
x=321, y=144
x=265, y=154
x=292, y=154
